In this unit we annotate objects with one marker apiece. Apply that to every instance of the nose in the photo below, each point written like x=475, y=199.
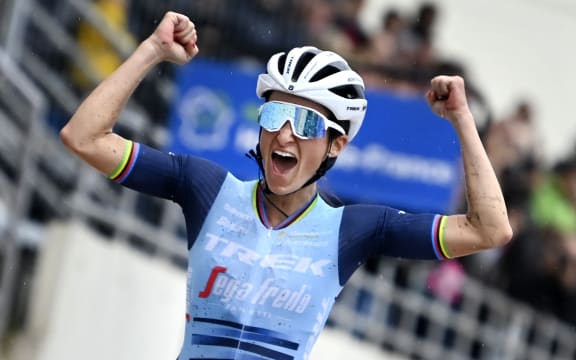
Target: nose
x=285, y=133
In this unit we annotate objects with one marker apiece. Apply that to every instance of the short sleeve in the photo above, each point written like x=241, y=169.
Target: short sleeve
x=374, y=230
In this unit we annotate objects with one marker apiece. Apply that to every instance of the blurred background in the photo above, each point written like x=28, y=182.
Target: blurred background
x=90, y=269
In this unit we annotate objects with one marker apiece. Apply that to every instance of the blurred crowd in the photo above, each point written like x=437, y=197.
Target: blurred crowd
x=400, y=54
x=538, y=267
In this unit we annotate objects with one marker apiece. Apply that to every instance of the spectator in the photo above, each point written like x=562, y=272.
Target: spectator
x=320, y=22
x=347, y=21
x=554, y=200
x=514, y=139
x=417, y=42
x=535, y=269
x=258, y=28
x=385, y=43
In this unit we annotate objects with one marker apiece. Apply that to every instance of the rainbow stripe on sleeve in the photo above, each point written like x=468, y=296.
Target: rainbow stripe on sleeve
x=438, y=237
x=125, y=166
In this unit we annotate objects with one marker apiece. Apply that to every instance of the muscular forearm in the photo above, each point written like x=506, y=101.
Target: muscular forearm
x=99, y=112
x=486, y=207
x=89, y=133
x=485, y=225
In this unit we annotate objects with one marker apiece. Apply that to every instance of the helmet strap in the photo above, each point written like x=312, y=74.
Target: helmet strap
x=326, y=165
x=256, y=155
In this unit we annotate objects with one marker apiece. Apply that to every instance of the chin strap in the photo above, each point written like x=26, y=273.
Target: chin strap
x=326, y=165
x=321, y=171
x=256, y=155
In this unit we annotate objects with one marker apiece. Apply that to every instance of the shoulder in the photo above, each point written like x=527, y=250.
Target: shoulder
x=368, y=210
x=364, y=216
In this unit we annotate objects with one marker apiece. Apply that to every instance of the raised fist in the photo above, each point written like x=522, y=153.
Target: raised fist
x=175, y=38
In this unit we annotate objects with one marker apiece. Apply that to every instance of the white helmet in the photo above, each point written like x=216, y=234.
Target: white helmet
x=321, y=76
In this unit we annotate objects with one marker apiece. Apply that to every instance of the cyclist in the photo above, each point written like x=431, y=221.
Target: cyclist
x=268, y=257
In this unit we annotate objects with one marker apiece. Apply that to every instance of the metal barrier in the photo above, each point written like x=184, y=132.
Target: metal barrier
x=408, y=319
x=34, y=165
x=22, y=113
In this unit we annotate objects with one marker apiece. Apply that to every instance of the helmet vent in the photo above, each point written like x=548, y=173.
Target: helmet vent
x=281, y=63
x=349, y=91
x=302, y=62
x=324, y=73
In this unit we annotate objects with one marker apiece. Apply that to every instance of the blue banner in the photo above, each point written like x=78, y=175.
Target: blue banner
x=404, y=155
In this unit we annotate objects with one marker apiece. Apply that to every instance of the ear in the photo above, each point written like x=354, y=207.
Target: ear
x=338, y=145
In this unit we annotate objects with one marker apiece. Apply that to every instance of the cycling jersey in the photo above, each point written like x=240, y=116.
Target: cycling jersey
x=261, y=292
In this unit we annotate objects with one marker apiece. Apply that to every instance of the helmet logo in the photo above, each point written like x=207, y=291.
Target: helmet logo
x=289, y=65
x=291, y=87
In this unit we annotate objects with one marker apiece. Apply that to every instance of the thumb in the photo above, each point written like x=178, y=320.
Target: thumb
x=192, y=49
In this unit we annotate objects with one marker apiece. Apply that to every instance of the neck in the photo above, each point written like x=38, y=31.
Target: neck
x=278, y=207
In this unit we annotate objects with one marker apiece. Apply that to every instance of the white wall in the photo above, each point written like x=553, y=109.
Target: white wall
x=513, y=49
x=94, y=299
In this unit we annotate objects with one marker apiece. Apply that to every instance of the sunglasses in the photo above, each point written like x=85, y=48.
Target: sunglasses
x=306, y=123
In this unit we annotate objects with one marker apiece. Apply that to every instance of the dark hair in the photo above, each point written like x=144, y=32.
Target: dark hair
x=332, y=133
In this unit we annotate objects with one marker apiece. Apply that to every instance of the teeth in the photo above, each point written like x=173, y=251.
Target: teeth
x=285, y=154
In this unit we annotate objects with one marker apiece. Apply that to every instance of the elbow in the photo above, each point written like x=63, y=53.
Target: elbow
x=66, y=137
x=70, y=140
x=501, y=236
x=509, y=234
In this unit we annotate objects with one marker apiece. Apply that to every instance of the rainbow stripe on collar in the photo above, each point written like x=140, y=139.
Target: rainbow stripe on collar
x=259, y=207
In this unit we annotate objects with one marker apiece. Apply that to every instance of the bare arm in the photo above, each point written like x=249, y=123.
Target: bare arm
x=89, y=133
x=485, y=225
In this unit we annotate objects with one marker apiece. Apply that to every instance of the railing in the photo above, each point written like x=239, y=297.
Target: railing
x=22, y=113
x=484, y=324
x=34, y=167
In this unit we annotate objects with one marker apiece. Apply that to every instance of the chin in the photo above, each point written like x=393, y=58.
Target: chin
x=279, y=189
x=282, y=186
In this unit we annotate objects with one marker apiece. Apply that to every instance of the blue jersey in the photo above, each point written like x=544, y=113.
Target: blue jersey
x=256, y=292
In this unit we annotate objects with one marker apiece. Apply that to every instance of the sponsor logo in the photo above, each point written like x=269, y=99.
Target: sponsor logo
x=244, y=310
x=378, y=159
x=237, y=213
x=313, y=239
x=289, y=65
x=206, y=119
x=231, y=226
x=312, y=235
x=228, y=289
x=300, y=264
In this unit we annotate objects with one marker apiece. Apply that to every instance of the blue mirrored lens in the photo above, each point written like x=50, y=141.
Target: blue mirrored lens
x=306, y=123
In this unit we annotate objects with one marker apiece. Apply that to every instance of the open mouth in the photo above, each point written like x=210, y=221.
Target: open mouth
x=283, y=161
